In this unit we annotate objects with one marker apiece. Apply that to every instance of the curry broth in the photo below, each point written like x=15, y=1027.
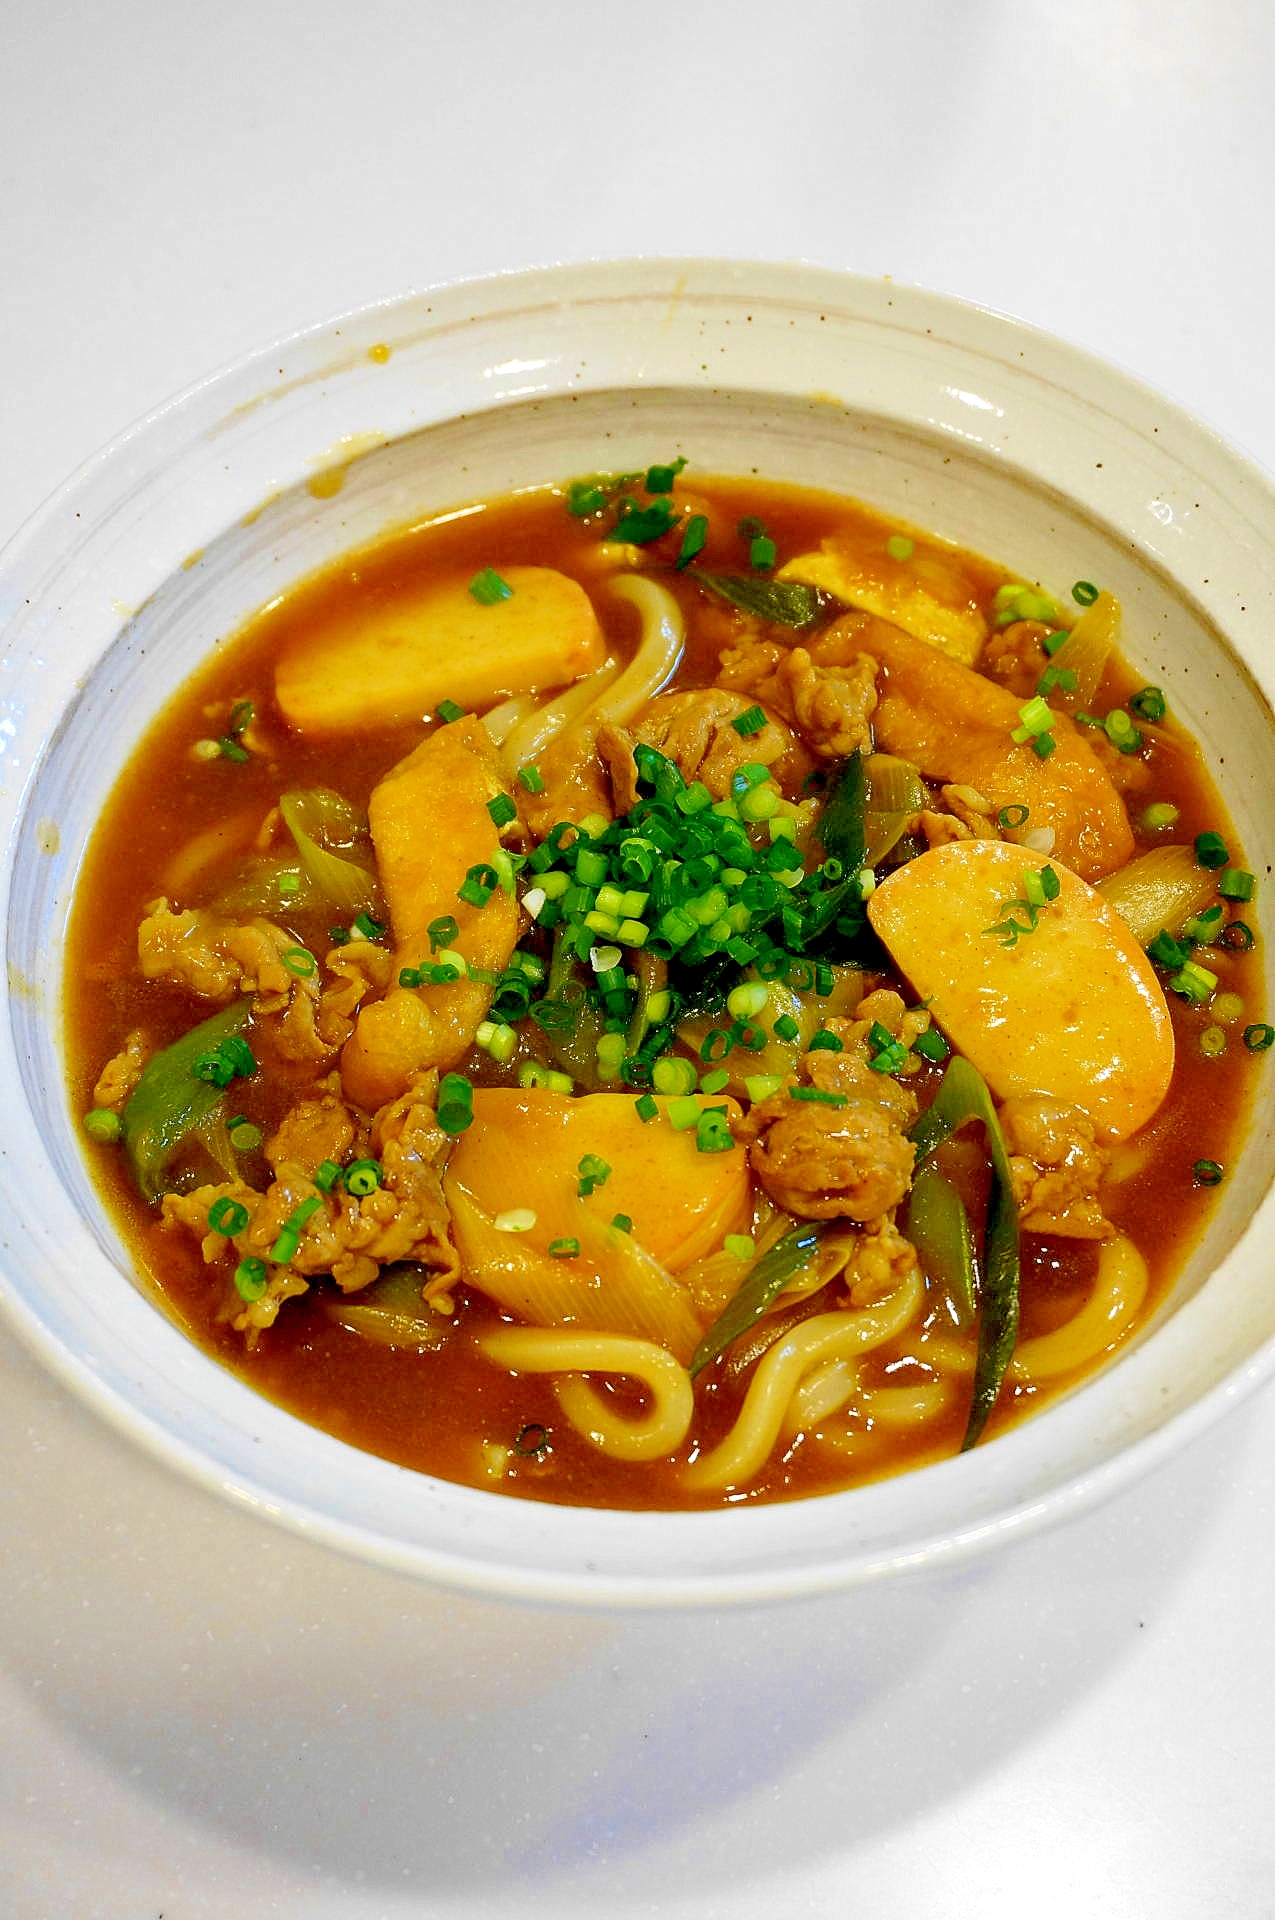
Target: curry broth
x=433, y=1410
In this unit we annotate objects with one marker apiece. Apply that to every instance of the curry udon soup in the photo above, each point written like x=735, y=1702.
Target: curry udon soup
x=664, y=992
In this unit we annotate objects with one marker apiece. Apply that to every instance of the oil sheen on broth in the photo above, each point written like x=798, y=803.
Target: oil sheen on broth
x=638, y=995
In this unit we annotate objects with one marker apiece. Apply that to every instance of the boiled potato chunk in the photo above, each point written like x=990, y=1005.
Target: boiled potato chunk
x=928, y=595
x=525, y=1146
x=396, y=661
x=1071, y=1009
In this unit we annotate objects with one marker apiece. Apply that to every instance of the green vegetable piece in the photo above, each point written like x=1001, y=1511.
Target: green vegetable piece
x=640, y=525
x=169, y=1103
x=785, y=603
x=963, y=1096
x=762, y=1284
x=488, y=589
x=939, y=1228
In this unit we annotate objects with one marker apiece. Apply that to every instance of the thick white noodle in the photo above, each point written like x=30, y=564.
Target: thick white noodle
x=652, y=1435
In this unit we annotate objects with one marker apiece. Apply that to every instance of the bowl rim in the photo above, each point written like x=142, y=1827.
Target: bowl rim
x=215, y=397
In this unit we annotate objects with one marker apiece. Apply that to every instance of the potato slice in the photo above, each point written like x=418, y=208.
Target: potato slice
x=928, y=595
x=396, y=661
x=1072, y=1009
x=525, y=1146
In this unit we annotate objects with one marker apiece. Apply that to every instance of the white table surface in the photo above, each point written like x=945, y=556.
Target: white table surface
x=200, y=1716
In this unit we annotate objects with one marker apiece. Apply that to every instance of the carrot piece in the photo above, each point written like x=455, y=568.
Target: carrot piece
x=397, y=661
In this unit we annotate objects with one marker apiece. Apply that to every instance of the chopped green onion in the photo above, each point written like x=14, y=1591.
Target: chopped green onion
x=231, y=750
x=623, y=1222
x=693, y=540
x=1210, y=851
x=1159, y=815
x=447, y=711
x=1121, y=731
x=712, y=1132
x=1084, y=593
x=647, y=1108
x=1213, y=1042
x=1149, y=704
x=227, y=1216
x=100, y=1123
x=762, y=553
x=455, y=1103
x=1235, y=884
x=363, y=1177
x=301, y=961
x=1043, y=745
x=818, y=1096
x=593, y=1172
x=1054, y=677
x=931, y=1045
x=741, y=1246
x=479, y=884
x=250, y=1278
x=326, y=1175
x=531, y=779
x=488, y=589
x=1259, y=1037
x=1206, y=1173
x=749, y=723
x=683, y=1114
x=532, y=1440
x=368, y=928
x=899, y=547
x=1035, y=718
x=660, y=479
x=1238, y=937
x=1010, y=817
x=502, y=810
x=640, y=525
x=1194, y=982
x=786, y=1028
x=1168, y=952
x=564, y=1249
x=761, y=1086
x=244, y=1136
x=825, y=1042
x=289, y=883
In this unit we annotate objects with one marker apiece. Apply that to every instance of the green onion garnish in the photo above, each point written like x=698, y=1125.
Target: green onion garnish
x=326, y=1175
x=368, y=928
x=593, y=1172
x=647, y=1108
x=1011, y=817
x=931, y=1045
x=746, y=724
x=899, y=547
x=1149, y=704
x=502, y=810
x=818, y=1096
x=447, y=711
x=363, y=1177
x=564, y=1249
x=488, y=589
x=660, y=479
x=622, y=1221
x=100, y=1123
x=250, y=1278
x=762, y=553
x=640, y=525
x=1235, y=884
x=693, y=540
x=1259, y=1037
x=300, y=961
x=455, y=1103
x=1210, y=851
x=227, y=1216
x=1084, y=593
x=1206, y=1173
x=531, y=779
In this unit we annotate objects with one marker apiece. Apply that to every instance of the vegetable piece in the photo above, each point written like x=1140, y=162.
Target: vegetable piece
x=392, y=1311
x=939, y=1228
x=928, y=595
x=527, y=1147
x=1084, y=654
x=782, y=603
x=760, y=1287
x=955, y=725
x=1073, y=1009
x=398, y=660
x=895, y=793
x=451, y=776
x=169, y=1103
x=964, y=1096
x=599, y=1278
x=1158, y=890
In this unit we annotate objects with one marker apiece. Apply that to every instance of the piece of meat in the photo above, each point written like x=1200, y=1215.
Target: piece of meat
x=575, y=781
x=1057, y=1167
x=696, y=731
x=122, y=1072
x=822, y=1162
x=352, y=1238
x=830, y=705
x=213, y=955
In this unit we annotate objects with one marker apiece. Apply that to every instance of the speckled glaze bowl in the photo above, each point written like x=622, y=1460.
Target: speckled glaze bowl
x=958, y=419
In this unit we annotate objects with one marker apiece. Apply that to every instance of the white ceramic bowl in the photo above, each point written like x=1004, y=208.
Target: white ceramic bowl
x=960, y=420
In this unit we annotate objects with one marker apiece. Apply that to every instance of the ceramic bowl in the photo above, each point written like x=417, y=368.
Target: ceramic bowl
x=955, y=418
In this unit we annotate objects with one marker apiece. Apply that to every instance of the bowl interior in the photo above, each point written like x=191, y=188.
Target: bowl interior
x=202, y=518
